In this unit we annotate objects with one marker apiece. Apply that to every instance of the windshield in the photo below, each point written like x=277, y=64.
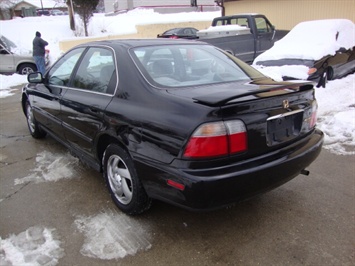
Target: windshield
x=9, y=45
x=190, y=65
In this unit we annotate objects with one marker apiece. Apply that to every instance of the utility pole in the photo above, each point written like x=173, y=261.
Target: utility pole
x=71, y=14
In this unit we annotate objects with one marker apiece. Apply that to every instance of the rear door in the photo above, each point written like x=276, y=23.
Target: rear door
x=91, y=90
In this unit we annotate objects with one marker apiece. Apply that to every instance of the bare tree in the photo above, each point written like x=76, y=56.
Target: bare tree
x=85, y=9
x=7, y=6
x=221, y=4
x=71, y=14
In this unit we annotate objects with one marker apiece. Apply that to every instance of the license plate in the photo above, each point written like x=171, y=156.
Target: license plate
x=284, y=127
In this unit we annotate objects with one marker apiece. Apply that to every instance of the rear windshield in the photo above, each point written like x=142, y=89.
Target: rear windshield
x=190, y=65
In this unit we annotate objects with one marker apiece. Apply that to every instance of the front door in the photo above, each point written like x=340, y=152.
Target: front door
x=7, y=62
x=47, y=96
x=264, y=35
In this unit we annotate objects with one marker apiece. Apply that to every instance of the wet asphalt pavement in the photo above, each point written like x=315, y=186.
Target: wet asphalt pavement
x=308, y=221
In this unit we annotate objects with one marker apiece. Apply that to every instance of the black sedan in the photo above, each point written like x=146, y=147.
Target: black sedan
x=181, y=122
x=177, y=33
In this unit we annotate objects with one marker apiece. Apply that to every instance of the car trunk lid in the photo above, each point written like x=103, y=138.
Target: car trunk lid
x=275, y=115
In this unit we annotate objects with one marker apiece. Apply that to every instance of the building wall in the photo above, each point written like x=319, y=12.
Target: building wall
x=285, y=14
x=129, y=4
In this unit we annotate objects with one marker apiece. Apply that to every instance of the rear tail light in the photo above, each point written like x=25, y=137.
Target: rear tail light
x=237, y=136
x=217, y=139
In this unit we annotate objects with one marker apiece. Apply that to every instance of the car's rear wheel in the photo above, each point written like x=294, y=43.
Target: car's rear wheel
x=26, y=69
x=123, y=183
x=33, y=127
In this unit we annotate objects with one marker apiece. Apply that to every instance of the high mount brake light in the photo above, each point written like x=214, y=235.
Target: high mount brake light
x=217, y=139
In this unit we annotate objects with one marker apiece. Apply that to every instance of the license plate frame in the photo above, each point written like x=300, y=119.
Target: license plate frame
x=284, y=127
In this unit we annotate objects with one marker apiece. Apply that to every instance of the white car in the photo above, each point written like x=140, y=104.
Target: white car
x=12, y=62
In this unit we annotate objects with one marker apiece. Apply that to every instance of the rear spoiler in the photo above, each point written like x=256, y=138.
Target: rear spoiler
x=222, y=98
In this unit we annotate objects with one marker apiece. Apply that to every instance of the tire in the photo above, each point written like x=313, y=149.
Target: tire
x=122, y=181
x=32, y=124
x=330, y=73
x=26, y=69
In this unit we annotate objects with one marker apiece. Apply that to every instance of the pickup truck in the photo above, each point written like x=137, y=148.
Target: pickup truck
x=243, y=35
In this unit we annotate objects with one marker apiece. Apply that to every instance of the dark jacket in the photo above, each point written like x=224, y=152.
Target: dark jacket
x=38, y=46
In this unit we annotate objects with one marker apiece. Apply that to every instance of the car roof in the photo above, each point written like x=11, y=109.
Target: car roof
x=130, y=43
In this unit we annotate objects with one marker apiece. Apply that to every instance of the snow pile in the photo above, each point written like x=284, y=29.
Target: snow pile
x=277, y=73
x=225, y=28
x=336, y=115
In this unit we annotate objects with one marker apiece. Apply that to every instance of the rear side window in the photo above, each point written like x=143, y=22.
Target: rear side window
x=189, y=31
x=96, y=71
x=187, y=65
x=240, y=21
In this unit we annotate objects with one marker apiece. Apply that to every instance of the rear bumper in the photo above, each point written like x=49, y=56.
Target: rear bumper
x=217, y=187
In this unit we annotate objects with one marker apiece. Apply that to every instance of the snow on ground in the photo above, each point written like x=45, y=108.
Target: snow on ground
x=6, y=82
x=35, y=246
x=41, y=246
x=111, y=235
x=336, y=115
x=108, y=235
x=51, y=167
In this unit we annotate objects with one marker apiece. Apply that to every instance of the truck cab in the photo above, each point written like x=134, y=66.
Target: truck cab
x=252, y=35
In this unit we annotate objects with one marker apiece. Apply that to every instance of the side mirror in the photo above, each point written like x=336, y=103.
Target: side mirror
x=35, y=77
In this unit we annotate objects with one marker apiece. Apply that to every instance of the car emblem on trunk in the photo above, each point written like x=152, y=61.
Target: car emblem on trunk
x=285, y=104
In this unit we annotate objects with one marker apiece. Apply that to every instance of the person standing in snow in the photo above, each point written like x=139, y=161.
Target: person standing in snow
x=39, y=52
